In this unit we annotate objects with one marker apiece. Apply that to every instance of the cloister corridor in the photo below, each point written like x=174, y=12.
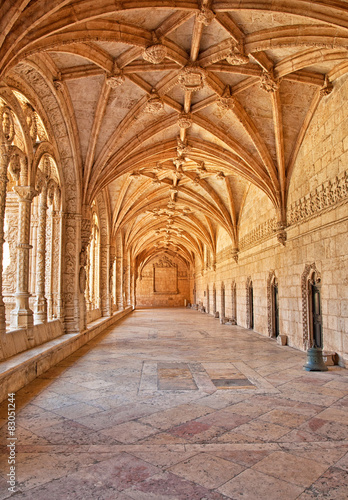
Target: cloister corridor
x=170, y=404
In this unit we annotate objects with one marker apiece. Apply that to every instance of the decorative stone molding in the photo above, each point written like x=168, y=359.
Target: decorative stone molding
x=155, y=54
x=260, y=233
x=192, y=78
x=268, y=82
x=185, y=120
x=328, y=195
x=205, y=16
x=154, y=103
x=309, y=276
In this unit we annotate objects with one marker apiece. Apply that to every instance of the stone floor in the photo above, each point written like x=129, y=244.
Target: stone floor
x=169, y=404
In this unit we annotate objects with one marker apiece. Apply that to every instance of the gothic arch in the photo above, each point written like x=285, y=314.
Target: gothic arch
x=309, y=276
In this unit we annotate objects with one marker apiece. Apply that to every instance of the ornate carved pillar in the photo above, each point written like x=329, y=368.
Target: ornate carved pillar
x=22, y=315
x=72, y=310
x=105, y=280
x=86, y=226
x=7, y=134
x=40, y=306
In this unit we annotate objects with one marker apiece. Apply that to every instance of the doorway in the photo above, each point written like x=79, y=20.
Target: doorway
x=275, y=308
x=316, y=319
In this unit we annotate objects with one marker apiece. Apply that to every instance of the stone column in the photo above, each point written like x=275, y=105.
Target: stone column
x=40, y=306
x=22, y=315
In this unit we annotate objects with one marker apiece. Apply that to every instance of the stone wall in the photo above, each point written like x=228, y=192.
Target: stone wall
x=163, y=282
x=317, y=238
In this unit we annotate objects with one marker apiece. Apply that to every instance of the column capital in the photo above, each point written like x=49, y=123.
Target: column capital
x=25, y=193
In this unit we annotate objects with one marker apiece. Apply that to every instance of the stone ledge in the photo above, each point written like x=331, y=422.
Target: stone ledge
x=22, y=368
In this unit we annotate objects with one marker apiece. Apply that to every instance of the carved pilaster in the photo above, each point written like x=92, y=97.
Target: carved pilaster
x=22, y=315
x=71, y=232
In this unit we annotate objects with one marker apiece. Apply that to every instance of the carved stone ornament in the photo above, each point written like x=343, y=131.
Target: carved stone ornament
x=326, y=89
x=115, y=80
x=192, y=78
x=182, y=148
x=7, y=129
x=155, y=54
x=58, y=85
x=185, y=120
x=154, y=104
x=30, y=117
x=205, y=16
x=282, y=237
x=268, y=82
x=226, y=101
x=236, y=56
x=235, y=255
x=135, y=175
x=220, y=176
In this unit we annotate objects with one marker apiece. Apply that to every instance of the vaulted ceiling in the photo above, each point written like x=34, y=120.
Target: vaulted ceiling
x=178, y=107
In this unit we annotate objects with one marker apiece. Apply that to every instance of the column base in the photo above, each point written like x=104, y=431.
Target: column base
x=21, y=319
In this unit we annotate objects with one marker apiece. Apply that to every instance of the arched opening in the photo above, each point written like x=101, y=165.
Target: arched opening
x=275, y=308
x=250, y=304
x=234, y=302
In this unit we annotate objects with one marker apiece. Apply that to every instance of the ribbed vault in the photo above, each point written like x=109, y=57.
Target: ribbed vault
x=174, y=111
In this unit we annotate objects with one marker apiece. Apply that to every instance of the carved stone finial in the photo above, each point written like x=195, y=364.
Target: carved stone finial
x=268, y=82
x=205, y=16
x=7, y=130
x=154, y=104
x=182, y=147
x=192, y=78
x=185, y=120
x=155, y=54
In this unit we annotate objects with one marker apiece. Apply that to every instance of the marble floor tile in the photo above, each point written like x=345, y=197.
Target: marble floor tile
x=294, y=469
x=254, y=485
x=207, y=470
x=332, y=485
